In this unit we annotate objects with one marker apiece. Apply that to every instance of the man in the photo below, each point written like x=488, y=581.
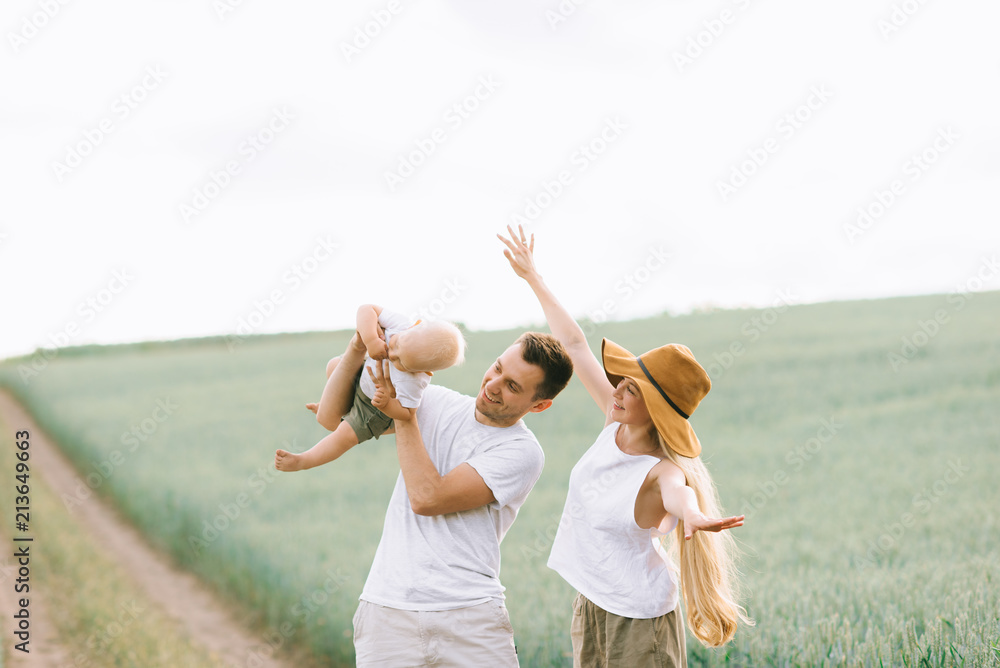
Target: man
x=433, y=595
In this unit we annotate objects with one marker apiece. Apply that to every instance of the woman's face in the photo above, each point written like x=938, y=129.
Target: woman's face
x=629, y=408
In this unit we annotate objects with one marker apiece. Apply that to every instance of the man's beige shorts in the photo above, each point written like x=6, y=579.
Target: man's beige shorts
x=477, y=636
x=605, y=640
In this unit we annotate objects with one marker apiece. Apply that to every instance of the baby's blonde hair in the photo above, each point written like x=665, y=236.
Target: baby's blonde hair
x=441, y=344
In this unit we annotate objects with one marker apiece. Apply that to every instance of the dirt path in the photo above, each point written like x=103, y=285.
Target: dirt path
x=180, y=595
x=44, y=648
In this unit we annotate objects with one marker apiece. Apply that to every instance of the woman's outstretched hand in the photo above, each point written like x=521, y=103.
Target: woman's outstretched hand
x=520, y=252
x=696, y=521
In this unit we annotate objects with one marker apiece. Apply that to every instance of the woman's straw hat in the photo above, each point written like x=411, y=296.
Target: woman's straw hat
x=672, y=384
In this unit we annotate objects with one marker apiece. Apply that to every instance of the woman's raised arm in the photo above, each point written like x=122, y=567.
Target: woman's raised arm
x=520, y=254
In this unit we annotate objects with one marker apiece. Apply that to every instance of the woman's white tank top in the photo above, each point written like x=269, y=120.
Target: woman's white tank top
x=599, y=549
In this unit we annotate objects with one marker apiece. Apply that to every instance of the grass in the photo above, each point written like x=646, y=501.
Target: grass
x=870, y=491
x=100, y=616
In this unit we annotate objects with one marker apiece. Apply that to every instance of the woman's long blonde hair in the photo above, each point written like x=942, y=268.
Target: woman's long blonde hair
x=708, y=573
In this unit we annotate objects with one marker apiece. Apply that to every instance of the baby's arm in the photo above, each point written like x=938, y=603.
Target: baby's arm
x=371, y=334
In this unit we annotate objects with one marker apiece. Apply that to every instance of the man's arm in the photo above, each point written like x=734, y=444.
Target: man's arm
x=430, y=493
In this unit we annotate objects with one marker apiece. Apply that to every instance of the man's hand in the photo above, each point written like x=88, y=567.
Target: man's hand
x=385, y=394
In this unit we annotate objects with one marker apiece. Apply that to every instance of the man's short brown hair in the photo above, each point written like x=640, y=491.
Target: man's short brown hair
x=545, y=352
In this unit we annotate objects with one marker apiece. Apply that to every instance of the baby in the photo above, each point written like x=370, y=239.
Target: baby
x=414, y=350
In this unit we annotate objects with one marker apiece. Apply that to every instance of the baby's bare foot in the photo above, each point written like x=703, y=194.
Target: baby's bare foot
x=313, y=407
x=287, y=461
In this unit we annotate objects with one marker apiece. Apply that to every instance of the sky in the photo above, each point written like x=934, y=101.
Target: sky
x=181, y=169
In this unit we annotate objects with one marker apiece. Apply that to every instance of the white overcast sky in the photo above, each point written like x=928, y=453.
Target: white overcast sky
x=101, y=249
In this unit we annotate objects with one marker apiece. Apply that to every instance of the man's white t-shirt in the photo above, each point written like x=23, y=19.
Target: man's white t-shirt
x=452, y=561
x=409, y=386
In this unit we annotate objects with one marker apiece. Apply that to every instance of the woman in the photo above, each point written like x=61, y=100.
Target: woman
x=641, y=479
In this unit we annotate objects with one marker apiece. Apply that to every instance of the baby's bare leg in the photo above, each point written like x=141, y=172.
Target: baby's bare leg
x=338, y=395
x=329, y=448
x=330, y=366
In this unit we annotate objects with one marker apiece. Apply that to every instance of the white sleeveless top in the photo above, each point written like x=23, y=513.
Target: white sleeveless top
x=599, y=549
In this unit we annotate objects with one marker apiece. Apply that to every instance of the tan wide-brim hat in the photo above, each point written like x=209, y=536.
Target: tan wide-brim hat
x=672, y=384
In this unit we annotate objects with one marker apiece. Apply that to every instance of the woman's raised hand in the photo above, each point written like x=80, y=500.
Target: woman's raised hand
x=520, y=252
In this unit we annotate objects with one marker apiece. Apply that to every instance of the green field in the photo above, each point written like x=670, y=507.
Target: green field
x=869, y=481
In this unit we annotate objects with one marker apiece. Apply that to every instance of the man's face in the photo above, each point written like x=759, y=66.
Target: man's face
x=508, y=390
